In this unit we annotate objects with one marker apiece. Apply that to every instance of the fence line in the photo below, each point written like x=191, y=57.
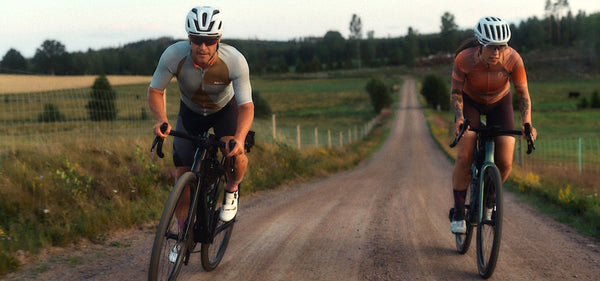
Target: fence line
x=572, y=154
x=53, y=116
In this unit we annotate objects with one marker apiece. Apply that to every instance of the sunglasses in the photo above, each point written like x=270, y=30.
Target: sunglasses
x=496, y=47
x=208, y=41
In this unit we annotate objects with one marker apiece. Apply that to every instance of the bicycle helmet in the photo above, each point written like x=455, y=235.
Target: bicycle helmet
x=492, y=31
x=204, y=21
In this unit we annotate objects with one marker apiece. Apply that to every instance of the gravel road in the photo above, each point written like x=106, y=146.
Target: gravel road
x=384, y=220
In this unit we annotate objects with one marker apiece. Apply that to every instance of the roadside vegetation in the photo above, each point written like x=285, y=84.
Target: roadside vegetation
x=57, y=194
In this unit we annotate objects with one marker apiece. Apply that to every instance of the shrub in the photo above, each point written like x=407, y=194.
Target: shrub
x=102, y=101
x=436, y=92
x=261, y=106
x=51, y=114
x=583, y=103
x=595, y=102
x=378, y=92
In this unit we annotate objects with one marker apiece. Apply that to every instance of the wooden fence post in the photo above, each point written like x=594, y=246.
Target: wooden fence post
x=274, y=127
x=298, y=136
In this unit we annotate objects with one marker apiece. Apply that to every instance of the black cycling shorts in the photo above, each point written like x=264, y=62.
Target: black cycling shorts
x=499, y=113
x=223, y=122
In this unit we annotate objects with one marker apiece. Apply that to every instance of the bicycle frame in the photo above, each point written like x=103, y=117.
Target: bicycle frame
x=485, y=153
x=206, y=169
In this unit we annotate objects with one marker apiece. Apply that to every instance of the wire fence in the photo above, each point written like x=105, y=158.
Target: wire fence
x=573, y=155
x=55, y=116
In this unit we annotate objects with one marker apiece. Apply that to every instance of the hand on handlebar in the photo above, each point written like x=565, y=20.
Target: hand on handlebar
x=462, y=126
x=162, y=129
x=237, y=149
x=530, y=134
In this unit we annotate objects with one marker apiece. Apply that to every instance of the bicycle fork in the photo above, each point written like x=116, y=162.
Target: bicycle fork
x=488, y=161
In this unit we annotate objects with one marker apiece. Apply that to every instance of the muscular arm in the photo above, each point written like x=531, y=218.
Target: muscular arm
x=456, y=101
x=156, y=103
x=524, y=105
x=245, y=119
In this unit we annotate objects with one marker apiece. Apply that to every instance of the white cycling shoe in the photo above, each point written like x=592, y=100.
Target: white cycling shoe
x=230, y=206
x=487, y=214
x=174, y=253
x=458, y=227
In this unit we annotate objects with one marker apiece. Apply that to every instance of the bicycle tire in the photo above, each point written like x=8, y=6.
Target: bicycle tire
x=212, y=253
x=489, y=232
x=168, y=235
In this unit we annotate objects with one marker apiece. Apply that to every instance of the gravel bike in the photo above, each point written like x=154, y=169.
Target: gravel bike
x=485, y=193
x=205, y=184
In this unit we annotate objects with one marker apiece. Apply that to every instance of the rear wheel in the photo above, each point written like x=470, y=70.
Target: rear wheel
x=170, y=236
x=212, y=252
x=489, y=231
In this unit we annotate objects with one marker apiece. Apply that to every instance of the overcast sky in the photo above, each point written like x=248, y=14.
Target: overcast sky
x=96, y=24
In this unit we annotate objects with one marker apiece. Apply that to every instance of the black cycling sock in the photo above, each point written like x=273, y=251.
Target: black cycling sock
x=459, y=204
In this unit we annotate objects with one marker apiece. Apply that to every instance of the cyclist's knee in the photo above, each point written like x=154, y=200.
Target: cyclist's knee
x=505, y=169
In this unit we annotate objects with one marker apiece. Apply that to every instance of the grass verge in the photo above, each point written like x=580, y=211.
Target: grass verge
x=66, y=192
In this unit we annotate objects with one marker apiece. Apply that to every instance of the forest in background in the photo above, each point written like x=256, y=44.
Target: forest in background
x=570, y=42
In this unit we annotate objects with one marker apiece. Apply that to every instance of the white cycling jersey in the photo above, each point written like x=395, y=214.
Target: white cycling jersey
x=205, y=91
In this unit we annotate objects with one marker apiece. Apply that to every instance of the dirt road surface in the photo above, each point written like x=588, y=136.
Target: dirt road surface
x=385, y=220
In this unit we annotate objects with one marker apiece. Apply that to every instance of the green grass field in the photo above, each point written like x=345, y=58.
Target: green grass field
x=79, y=179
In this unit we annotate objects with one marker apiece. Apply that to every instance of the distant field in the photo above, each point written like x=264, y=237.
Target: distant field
x=36, y=83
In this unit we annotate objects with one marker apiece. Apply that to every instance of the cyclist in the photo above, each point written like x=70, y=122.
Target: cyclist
x=483, y=68
x=215, y=91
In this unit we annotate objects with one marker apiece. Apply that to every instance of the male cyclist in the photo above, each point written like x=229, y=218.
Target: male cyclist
x=215, y=91
x=483, y=68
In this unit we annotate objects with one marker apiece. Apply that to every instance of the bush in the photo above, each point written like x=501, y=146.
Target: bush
x=102, y=101
x=378, y=92
x=51, y=114
x=583, y=103
x=595, y=102
x=436, y=92
x=261, y=106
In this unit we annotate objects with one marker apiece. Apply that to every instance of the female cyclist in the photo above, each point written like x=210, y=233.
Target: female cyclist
x=483, y=68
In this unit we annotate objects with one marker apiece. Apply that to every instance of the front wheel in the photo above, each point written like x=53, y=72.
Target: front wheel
x=172, y=235
x=489, y=230
x=212, y=252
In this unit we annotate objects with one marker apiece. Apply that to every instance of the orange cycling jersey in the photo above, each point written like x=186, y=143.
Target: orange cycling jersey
x=487, y=84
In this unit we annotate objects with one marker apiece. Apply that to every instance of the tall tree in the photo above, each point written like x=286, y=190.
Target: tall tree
x=554, y=12
x=334, y=45
x=449, y=32
x=51, y=57
x=411, y=46
x=12, y=62
x=356, y=33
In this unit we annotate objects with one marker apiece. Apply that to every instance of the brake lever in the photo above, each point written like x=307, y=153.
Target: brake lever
x=463, y=129
x=158, y=141
x=529, y=137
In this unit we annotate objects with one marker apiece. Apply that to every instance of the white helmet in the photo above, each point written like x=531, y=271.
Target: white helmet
x=204, y=21
x=492, y=31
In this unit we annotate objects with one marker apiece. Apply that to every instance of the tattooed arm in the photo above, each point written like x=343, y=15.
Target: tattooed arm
x=519, y=79
x=456, y=101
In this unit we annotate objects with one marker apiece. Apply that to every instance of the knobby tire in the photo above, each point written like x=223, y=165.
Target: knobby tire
x=489, y=232
x=168, y=234
x=212, y=253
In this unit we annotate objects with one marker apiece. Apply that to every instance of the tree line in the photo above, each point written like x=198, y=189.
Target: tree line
x=330, y=52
